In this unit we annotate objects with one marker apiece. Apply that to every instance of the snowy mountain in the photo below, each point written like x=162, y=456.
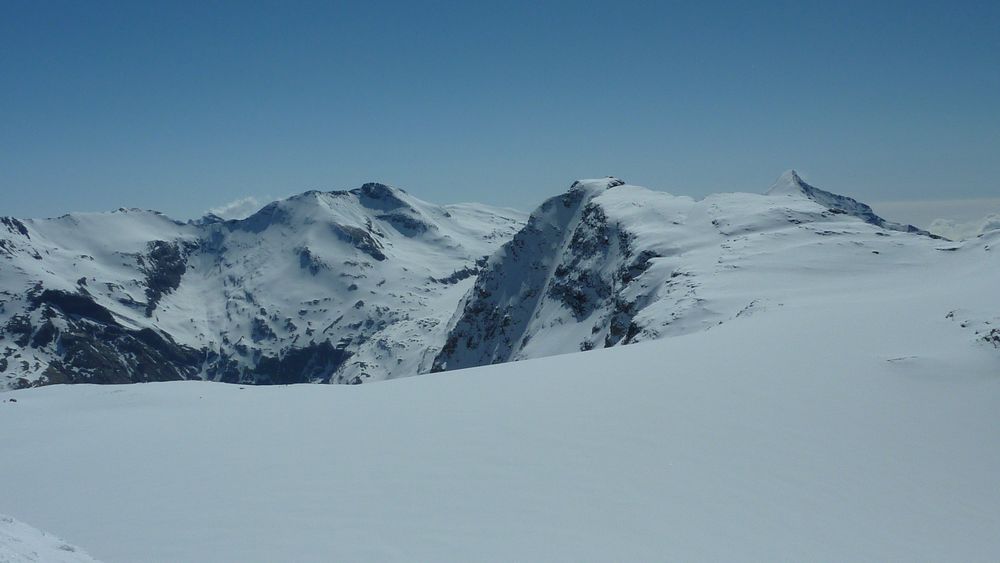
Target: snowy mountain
x=372, y=283
x=609, y=263
x=324, y=286
x=791, y=184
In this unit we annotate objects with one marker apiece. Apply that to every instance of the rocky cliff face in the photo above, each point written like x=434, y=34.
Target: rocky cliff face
x=557, y=256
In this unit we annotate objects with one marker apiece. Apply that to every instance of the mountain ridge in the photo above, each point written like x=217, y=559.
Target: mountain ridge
x=320, y=286
x=372, y=283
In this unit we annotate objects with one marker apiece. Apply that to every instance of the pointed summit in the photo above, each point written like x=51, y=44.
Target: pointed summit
x=788, y=183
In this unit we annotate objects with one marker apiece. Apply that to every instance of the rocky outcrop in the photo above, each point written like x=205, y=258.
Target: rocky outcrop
x=164, y=266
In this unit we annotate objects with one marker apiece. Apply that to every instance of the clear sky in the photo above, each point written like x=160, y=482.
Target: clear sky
x=182, y=107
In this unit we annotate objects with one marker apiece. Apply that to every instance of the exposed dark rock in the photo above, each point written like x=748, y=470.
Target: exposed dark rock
x=621, y=327
x=311, y=262
x=993, y=337
x=15, y=226
x=406, y=224
x=96, y=354
x=457, y=276
x=379, y=196
x=223, y=368
x=260, y=330
x=641, y=263
x=577, y=286
x=165, y=266
x=491, y=324
x=582, y=293
x=20, y=327
x=313, y=363
x=44, y=335
x=360, y=238
x=75, y=304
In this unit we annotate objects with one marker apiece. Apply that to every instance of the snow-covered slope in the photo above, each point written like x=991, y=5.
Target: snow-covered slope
x=324, y=286
x=851, y=419
x=20, y=543
x=609, y=263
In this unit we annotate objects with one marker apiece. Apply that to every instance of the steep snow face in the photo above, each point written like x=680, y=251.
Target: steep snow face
x=790, y=184
x=620, y=264
x=506, y=297
x=342, y=286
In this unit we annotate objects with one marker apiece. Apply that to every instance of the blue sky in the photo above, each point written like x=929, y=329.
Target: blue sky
x=182, y=107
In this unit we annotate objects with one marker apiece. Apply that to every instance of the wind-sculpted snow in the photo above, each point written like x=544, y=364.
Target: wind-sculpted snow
x=323, y=287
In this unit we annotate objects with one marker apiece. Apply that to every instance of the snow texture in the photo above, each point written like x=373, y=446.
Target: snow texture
x=20, y=543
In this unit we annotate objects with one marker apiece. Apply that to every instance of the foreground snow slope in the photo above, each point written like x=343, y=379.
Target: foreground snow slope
x=854, y=423
x=20, y=543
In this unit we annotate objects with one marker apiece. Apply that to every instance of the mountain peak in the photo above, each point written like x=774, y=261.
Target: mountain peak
x=788, y=183
x=375, y=195
x=378, y=190
x=598, y=184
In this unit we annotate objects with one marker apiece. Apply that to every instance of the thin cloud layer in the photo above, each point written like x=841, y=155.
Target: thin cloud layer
x=237, y=209
x=961, y=230
x=955, y=219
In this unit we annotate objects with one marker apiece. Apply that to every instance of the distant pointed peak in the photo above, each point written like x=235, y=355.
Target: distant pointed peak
x=788, y=183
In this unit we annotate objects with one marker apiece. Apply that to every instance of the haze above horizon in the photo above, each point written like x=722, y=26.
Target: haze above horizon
x=181, y=107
